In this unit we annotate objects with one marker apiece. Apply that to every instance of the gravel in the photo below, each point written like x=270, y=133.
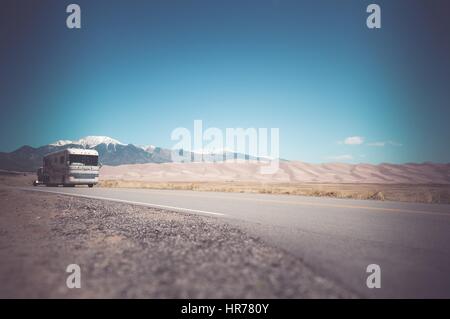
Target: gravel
x=128, y=251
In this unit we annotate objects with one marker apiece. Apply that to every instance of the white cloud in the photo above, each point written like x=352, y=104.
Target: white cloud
x=354, y=140
x=384, y=143
x=359, y=140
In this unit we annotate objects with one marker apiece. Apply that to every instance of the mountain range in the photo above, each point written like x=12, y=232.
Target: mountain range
x=111, y=152
x=150, y=163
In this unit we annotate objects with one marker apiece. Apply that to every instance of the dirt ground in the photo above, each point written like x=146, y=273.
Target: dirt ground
x=127, y=251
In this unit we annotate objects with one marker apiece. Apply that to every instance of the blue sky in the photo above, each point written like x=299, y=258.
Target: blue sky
x=139, y=69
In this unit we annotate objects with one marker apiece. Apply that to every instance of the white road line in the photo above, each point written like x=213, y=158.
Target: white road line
x=130, y=202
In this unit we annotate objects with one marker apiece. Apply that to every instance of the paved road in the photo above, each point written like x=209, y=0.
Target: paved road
x=337, y=238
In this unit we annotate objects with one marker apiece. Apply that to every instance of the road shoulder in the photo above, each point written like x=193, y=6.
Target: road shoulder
x=129, y=251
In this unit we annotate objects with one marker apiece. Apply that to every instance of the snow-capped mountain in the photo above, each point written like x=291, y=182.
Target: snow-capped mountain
x=89, y=141
x=111, y=152
x=61, y=143
x=148, y=148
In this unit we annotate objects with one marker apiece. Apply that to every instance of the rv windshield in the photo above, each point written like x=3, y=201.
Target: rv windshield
x=88, y=160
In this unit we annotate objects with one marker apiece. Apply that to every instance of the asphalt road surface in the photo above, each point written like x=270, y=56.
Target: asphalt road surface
x=337, y=238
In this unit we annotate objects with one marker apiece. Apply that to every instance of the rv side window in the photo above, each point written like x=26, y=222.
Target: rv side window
x=61, y=160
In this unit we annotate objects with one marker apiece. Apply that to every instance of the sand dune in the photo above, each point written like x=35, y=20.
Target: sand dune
x=293, y=171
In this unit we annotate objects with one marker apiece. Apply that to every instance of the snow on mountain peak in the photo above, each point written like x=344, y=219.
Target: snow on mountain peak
x=89, y=141
x=148, y=148
x=92, y=141
x=61, y=143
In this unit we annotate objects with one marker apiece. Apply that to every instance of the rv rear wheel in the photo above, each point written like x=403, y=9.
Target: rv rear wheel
x=91, y=185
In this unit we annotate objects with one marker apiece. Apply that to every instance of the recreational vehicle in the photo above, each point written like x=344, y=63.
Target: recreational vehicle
x=69, y=167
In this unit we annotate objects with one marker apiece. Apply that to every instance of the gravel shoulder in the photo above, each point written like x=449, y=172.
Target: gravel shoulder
x=128, y=251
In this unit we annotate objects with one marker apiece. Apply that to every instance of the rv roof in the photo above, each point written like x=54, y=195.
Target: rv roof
x=75, y=151
x=80, y=151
